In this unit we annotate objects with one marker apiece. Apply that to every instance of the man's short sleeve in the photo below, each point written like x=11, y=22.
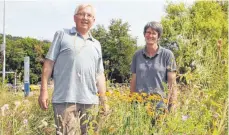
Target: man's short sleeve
x=55, y=46
x=171, y=63
x=133, y=64
x=100, y=68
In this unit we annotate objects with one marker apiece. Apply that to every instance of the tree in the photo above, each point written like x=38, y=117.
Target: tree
x=196, y=29
x=201, y=32
x=118, y=48
x=17, y=48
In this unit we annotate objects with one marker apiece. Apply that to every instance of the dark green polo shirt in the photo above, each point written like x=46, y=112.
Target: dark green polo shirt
x=151, y=72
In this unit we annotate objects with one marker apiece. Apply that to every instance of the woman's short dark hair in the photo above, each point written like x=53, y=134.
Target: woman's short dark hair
x=155, y=26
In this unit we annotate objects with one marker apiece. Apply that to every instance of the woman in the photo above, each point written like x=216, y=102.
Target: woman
x=153, y=66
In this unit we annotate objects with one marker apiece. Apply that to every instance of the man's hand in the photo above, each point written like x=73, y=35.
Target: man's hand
x=172, y=107
x=106, y=109
x=46, y=73
x=105, y=106
x=101, y=85
x=43, y=100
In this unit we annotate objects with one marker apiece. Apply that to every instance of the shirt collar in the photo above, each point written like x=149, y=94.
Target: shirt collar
x=145, y=54
x=74, y=31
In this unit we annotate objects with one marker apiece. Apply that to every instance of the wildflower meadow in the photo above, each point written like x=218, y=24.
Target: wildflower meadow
x=128, y=115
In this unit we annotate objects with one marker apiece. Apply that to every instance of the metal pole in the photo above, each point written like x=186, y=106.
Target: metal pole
x=4, y=47
x=26, y=76
x=15, y=81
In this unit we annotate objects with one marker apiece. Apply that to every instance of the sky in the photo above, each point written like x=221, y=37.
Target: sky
x=40, y=19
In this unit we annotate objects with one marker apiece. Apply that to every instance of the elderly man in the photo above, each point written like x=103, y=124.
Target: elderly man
x=154, y=65
x=75, y=59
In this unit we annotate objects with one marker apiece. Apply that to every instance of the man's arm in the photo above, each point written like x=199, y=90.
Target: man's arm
x=101, y=86
x=172, y=95
x=133, y=83
x=46, y=73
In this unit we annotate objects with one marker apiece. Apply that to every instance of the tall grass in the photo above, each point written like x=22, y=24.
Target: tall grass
x=197, y=114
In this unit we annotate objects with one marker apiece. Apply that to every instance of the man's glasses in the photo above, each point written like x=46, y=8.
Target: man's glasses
x=81, y=15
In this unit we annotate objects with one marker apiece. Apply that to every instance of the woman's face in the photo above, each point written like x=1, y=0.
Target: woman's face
x=151, y=36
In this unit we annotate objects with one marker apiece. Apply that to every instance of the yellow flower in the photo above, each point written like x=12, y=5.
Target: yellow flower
x=148, y=106
x=161, y=117
x=136, y=94
x=139, y=99
x=111, y=129
x=117, y=93
x=150, y=113
x=108, y=94
x=157, y=97
x=130, y=99
x=144, y=94
x=165, y=101
x=151, y=97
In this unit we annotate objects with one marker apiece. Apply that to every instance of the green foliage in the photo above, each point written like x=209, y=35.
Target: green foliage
x=18, y=48
x=118, y=48
x=196, y=30
x=201, y=59
x=22, y=116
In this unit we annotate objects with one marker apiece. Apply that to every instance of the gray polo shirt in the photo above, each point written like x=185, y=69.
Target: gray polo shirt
x=78, y=61
x=151, y=72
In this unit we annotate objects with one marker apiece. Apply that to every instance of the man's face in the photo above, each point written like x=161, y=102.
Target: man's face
x=151, y=36
x=84, y=19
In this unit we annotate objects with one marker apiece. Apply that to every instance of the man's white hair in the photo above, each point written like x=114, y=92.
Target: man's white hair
x=82, y=6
